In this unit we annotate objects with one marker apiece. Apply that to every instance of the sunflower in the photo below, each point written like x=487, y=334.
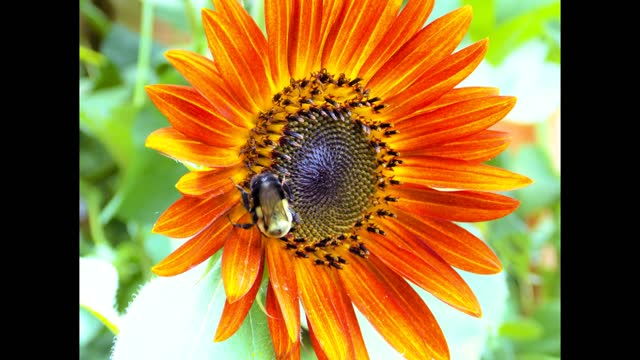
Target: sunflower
x=373, y=155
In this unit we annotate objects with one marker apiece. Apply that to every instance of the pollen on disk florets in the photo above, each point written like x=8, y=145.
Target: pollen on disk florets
x=322, y=138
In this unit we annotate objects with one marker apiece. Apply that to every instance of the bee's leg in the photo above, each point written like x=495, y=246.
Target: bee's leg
x=287, y=190
x=245, y=198
x=241, y=225
x=247, y=205
x=295, y=216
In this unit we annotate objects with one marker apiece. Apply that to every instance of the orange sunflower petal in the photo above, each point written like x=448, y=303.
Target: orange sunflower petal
x=410, y=20
x=284, y=284
x=234, y=312
x=236, y=59
x=277, y=15
x=452, y=122
x=196, y=250
x=282, y=344
x=188, y=215
x=192, y=115
x=234, y=13
x=205, y=183
x=432, y=85
x=316, y=345
x=460, y=94
x=350, y=321
x=408, y=256
x=476, y=148
x=352, y=327
x=454, y=244
x=331, y=11
x=304, y=38
x=177, y=146
x=381, y=15
x=241, y=260
x=393, y=308
x=421, y=52
x=202, y=73
x=464, y=206
x=344, y=35
x=325, y=310
x=457, y=174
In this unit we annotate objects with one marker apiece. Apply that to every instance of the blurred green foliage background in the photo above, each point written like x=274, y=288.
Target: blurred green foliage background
x=124, y=186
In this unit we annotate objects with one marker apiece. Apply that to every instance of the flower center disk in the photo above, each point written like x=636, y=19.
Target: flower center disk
x=332, y=173
x=322, y=142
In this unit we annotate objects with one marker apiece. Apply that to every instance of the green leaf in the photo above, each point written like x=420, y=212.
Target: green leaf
x=95, y=161
x=536, y=356
x=108, y=76
x=148, y=185
x=521, y=329
x=548, y=316
x=554, y=54
x=511, y=240
x=484, y=18
x=516, y=31
x=507, y=9
x=92, y=57
x=100, y=118
x=553, y=40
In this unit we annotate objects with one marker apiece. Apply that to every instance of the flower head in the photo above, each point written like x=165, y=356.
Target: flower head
x=337, y=153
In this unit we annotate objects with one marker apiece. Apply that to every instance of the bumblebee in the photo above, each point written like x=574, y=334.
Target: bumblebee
x=268, y=204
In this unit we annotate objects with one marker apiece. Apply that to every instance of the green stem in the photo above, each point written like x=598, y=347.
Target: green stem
x=92, y=196
x=144, y=52
x=92, y=57
x=111, y=208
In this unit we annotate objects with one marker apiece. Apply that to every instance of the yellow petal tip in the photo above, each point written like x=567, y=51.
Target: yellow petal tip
x=150, y=89
x=157, y=270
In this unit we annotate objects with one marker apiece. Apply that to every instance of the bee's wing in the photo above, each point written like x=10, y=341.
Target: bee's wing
x=269, y=202
x=281, y=213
